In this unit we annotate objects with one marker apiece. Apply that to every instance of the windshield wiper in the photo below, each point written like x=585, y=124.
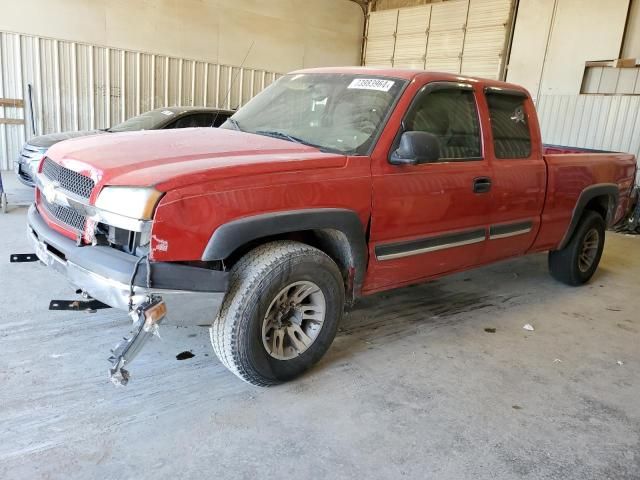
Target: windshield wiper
x=286, y=136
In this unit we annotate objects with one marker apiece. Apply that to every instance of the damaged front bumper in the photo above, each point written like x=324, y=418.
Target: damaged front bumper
x=147, y=317
x=192, y=295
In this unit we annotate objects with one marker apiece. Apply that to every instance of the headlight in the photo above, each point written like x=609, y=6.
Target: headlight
x=34, y=164
x=130, y=202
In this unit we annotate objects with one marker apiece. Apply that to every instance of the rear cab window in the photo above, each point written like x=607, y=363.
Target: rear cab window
x=204, y=119
x=219, y=118
x=509, y=123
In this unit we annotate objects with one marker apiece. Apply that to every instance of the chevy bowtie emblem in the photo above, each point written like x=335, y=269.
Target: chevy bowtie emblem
x=50, y=192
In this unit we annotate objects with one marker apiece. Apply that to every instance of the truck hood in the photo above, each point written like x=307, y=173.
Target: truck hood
x=45, y=141
x=169, y=159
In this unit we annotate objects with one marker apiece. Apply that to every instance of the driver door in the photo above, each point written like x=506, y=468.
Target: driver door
x=429, y=219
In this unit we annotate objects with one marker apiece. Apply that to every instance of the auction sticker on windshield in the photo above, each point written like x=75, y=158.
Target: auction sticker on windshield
x=371, y=84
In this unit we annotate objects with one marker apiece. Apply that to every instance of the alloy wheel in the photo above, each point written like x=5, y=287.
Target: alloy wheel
x=293, y=320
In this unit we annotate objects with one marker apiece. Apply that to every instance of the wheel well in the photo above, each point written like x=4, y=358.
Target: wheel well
x=332, y=242
x=599, y=198
x=600, y=205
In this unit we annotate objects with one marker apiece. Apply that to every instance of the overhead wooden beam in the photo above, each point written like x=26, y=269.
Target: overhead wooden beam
x=11, y=121
x=617, y=63
x=12, y=102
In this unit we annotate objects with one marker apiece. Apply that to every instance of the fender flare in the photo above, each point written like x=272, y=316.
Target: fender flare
x=228, y=237
x=601, y=189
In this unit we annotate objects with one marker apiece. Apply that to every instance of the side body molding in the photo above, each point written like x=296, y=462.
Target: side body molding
x=610, y=190
x=229, y=237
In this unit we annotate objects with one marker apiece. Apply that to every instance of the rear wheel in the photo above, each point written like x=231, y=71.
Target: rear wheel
x=576, y=263
x=281, y=313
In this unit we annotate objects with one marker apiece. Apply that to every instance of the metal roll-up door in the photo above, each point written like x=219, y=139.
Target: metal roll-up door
x=446, y=36
x=488, y=26
x=457, y=36
x=411, y=37
x=381, y=38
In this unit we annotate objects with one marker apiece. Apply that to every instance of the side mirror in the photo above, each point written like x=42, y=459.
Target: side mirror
x=415, y=148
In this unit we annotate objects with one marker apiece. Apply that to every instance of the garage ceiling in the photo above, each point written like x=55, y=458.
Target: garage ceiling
x=459, y=36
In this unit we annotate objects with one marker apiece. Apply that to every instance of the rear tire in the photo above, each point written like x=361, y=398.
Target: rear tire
x=281, y=313
x=576, y=263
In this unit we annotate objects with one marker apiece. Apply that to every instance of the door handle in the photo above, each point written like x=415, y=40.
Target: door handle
x=481, y=184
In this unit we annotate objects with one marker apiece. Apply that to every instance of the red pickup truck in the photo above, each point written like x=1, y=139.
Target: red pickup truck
x=331, y=184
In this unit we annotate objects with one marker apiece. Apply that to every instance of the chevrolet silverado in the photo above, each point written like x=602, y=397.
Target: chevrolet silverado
x=330, y=184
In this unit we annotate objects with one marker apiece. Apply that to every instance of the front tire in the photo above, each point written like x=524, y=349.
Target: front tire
x=281, y=313
x=576, y=263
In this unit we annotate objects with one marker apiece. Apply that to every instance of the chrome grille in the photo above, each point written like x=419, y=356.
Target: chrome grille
x=65, y=215
x=69, y=180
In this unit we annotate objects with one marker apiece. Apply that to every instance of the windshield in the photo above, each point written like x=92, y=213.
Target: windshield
x=335, y=112
x=146, y=121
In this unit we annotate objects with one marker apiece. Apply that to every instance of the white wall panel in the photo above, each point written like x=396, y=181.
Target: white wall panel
x=286, y=34
x=529, y=44
x=581, y=31
x=79, y=86
x=631, y=45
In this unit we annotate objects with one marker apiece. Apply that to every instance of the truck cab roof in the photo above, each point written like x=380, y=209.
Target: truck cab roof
x=413, y=74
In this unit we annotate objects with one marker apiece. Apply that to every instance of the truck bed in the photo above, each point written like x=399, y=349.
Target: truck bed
x=549, y=149
x=572, y=170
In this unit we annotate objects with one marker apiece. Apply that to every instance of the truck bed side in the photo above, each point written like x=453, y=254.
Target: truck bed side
x=575, y=181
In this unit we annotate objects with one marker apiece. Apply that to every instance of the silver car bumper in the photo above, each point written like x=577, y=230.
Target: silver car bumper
x=92, y=270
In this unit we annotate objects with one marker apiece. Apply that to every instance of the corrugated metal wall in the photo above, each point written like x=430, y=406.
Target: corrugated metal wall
x=604, y=122
x=78, y=86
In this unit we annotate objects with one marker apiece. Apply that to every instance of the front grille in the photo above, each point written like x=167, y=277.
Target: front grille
x=69, y=180
x=65, y=215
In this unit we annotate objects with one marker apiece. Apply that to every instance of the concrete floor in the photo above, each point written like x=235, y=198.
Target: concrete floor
x=413, y=386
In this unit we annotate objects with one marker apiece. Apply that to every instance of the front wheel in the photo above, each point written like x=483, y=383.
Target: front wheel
x=576, y=263
x=281, y=312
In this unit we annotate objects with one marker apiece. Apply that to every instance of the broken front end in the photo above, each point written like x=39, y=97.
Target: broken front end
x=103, y=249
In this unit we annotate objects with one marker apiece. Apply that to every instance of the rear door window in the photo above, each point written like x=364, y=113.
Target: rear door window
x=509, y=125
